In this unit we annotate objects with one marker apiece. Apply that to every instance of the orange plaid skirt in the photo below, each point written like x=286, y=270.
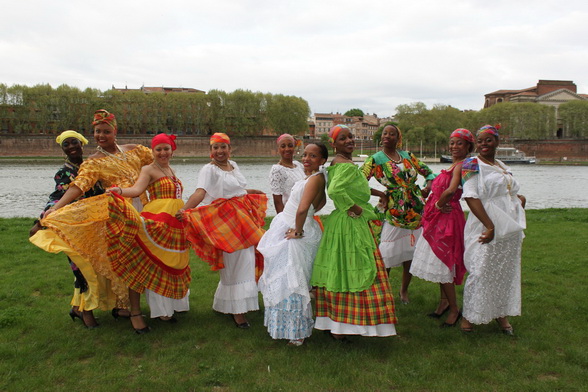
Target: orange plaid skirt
x=226, y=225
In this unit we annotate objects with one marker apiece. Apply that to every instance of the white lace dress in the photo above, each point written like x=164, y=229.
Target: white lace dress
x=282, y=179
x=493, y=287
x=287, y=270
x=237, y=291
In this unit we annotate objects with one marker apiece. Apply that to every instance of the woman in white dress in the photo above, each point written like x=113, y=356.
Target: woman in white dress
x=493, y=237
x=289, y=248
x=225, y=230
x=285, y=173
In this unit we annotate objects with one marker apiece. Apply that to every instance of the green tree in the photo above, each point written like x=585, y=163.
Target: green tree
x=574, y=118
x=354, y=113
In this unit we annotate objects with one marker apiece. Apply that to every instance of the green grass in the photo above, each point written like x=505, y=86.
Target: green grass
x=42, y=349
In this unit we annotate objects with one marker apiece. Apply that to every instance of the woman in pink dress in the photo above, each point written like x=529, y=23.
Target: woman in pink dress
x=438, y=256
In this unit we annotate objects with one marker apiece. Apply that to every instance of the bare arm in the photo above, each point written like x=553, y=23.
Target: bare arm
x=278, y=203
x=70, y=195
x=313, y=192
x=451, y=189
x=479, y=211
x=139, y=187
x=254, y=191
x=192, y=202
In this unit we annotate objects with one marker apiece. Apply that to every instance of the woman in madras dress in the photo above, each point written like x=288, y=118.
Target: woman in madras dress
x=493, y=237
x=289, y=248
x=285, y=173
x=438, y=256
x=72, y=143
x=402, y=202
x=81, y=226
x=149, y=250
x=225, y=229
x=353, y=295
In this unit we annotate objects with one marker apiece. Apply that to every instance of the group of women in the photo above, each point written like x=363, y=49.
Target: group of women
x=134, y=237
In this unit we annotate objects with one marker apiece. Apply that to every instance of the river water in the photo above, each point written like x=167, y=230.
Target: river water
x=26, y=186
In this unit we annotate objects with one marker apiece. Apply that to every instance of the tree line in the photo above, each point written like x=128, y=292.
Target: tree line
x=42, y=109
x=430, y=128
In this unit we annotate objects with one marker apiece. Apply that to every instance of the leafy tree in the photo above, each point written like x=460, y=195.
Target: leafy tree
x=574, y=118
x=354, y=113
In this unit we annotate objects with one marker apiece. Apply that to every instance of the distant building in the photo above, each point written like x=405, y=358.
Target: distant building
x=165, y=90
x=547, y=92
x=363, y=127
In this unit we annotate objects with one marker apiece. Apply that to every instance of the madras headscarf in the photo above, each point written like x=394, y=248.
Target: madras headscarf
x=219, y=137
x=285, y=136
x=103, y=116
x=69, y=133
x=163, y=138
x=489, y=129
x=334, y=132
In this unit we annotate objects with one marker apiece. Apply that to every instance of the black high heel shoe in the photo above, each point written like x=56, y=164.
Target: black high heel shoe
x=243, y=325
x=116, y=313
x=95, y=325
x=438, y=315
x=447, y=325
x=140, y=331
x=73, y=314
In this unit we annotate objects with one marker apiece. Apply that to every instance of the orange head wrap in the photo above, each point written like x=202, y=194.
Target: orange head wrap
x=334, y=132
x=220, y=137
x=103, y=116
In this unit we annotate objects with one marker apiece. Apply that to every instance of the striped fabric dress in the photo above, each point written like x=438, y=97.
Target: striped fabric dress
x=149, y=250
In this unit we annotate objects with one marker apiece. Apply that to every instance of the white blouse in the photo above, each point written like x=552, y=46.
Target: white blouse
x=282, y=179
x=219, y=183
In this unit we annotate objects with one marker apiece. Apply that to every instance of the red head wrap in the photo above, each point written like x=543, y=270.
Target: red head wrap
x=163, y=138
x=103, y=116
x=220, y=137
x=489, y=129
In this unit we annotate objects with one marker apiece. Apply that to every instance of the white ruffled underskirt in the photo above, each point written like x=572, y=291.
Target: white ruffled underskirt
x=380, y=330
x=426, y=265
x=237, y=290
x=396, y=244
x=161, y=306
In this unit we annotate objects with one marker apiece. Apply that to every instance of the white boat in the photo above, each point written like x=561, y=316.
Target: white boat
x=508, y=155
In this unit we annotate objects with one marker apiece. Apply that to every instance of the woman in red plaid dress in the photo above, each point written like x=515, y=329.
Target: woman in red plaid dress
x=225, y=229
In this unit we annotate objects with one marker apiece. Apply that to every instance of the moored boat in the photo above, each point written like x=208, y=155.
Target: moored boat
x=508, y=155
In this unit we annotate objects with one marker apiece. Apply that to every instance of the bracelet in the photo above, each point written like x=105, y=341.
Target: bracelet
x=437, y=205
x=353, y=215
x=298, y=234
x=487, y=229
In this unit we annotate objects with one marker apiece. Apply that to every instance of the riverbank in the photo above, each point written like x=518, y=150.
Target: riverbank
x=204, y=351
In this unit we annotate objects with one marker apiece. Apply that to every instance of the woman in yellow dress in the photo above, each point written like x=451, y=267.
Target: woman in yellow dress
x=149, y=250
x=80, y=228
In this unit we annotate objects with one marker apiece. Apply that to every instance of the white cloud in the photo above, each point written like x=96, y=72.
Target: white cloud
x=336, y=54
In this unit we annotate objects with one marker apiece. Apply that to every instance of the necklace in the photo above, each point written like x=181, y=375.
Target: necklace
x=123, y=156
x=76, y=166
x=344, y=157
x=227, y=165
x=291, y=166
x=173, y=179
x=393, y=160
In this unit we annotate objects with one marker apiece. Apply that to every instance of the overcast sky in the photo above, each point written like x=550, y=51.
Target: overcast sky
x=370, y=54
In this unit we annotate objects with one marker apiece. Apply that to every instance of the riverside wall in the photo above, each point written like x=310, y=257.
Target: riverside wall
x=264, y=146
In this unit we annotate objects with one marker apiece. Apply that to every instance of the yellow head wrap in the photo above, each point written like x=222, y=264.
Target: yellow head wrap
x=67, y=134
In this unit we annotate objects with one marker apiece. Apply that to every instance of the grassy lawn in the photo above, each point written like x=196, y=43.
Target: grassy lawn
x=42, y=349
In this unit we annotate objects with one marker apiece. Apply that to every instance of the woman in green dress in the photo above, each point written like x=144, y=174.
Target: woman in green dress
x=353, y=294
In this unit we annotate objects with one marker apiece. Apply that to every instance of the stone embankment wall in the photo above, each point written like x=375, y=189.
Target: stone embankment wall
x=555, y=150
x=260, y=146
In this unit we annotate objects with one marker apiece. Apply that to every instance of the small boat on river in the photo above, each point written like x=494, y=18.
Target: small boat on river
x=508, y=155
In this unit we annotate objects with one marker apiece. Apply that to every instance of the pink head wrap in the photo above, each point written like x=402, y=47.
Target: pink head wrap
x=285, y=136
x=163, y=138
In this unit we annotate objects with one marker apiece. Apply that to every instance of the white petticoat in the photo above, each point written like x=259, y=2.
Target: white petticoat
x=397, y=244
x=237, y=291
x=161, y=306
x=379, y=330
x=426, y=265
